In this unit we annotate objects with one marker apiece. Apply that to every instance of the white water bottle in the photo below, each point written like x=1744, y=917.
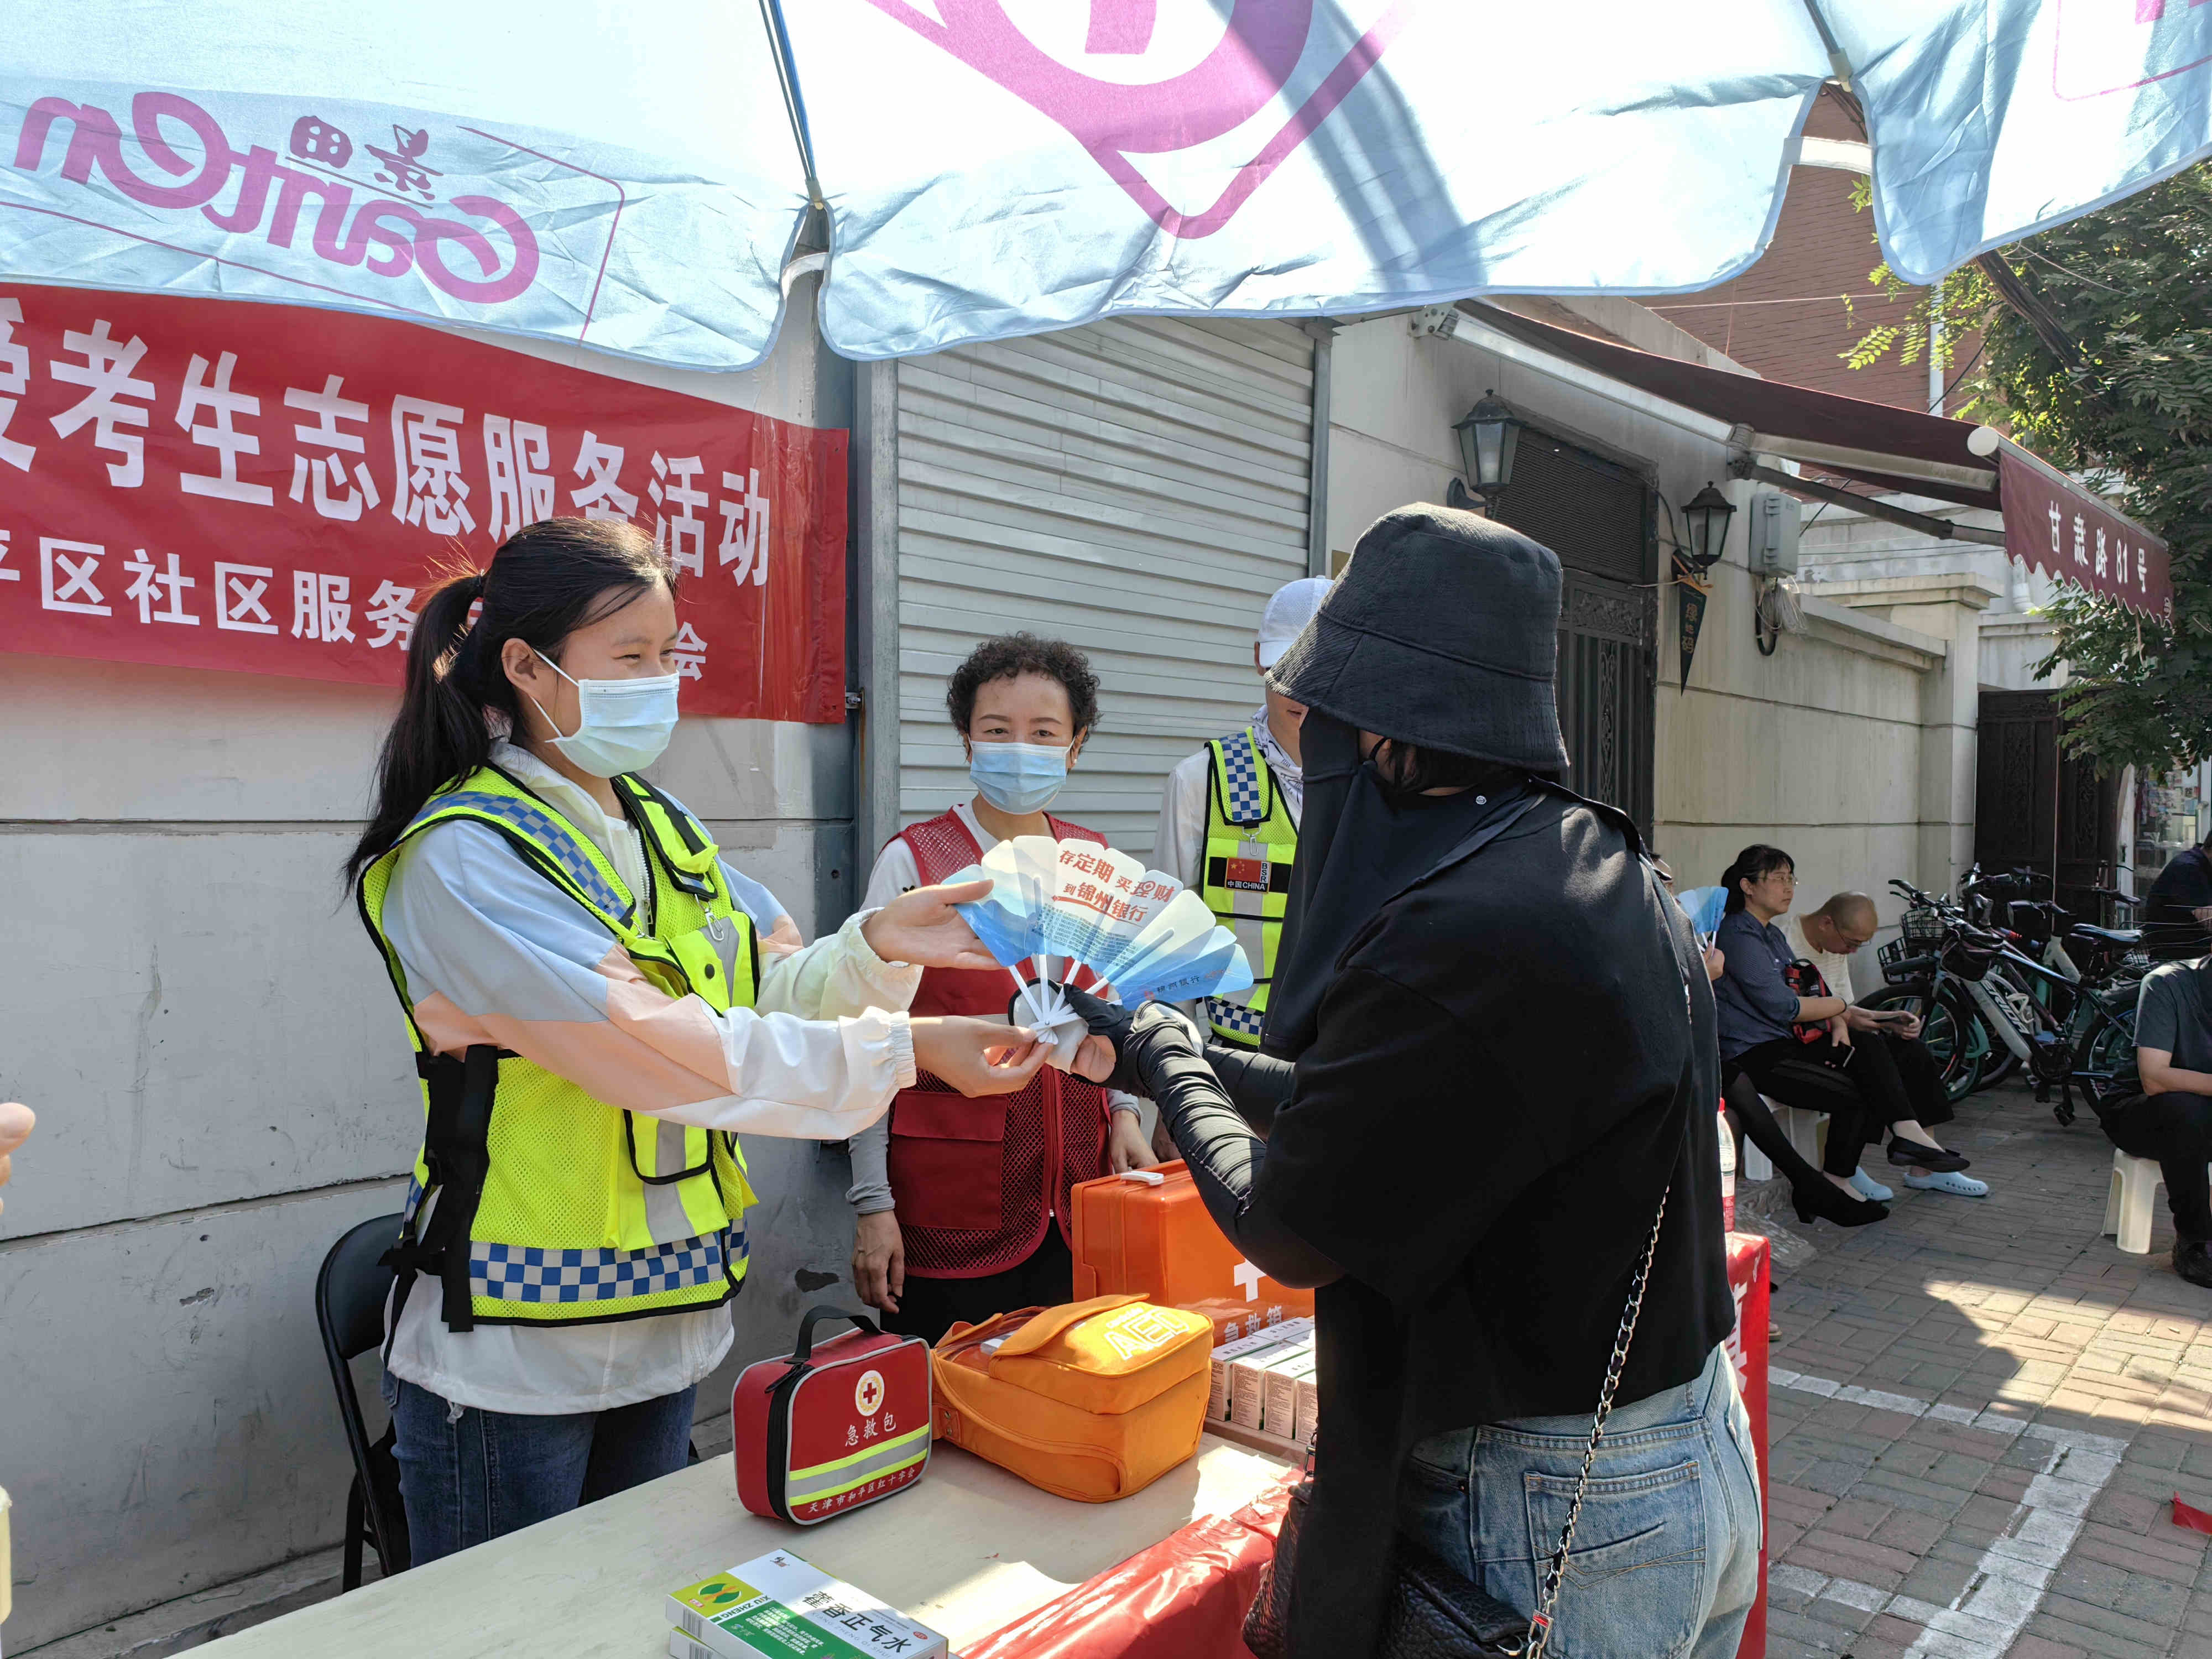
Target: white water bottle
x=1728, y=1174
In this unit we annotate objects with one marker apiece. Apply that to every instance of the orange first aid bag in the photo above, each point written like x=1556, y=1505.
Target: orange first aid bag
x=1158, y=1241
x=1092, y=1401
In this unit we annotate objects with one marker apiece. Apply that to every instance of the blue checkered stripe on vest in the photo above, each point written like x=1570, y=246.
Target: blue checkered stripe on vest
x=547, y=832
x=1234, y=1016
x=524, y=1273
x=1241, y=762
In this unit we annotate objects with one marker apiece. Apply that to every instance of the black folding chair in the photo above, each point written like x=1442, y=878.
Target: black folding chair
x=349, y=1295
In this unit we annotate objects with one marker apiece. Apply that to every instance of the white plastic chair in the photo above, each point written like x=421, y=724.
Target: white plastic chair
x=1803, y=1129
x=2134, y=1197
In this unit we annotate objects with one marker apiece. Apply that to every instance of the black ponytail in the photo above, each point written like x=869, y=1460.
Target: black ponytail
x=1755, y=863
x=546, y=581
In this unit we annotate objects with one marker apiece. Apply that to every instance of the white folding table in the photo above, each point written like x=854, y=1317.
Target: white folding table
x=968, y=1550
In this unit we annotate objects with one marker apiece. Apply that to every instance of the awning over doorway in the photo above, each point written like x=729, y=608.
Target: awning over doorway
x=2052, y=524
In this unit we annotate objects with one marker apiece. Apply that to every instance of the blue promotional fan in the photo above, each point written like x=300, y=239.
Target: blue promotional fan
x=1138, y=931
x=1703, y=906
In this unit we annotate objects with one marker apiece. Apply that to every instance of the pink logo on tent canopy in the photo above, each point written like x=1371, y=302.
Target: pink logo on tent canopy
x=1253, y=65
x=2103, y=46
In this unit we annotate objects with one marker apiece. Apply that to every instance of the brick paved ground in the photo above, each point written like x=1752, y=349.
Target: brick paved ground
x=1983, y=1412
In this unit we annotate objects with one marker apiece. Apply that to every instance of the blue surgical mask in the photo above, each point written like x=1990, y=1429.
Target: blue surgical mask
x=1017, y=777
x=621, y=724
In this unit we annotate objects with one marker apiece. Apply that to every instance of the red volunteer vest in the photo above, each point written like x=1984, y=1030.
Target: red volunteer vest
x=972, y=1178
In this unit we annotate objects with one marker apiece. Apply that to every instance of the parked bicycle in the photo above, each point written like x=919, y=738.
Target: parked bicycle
x=1918, y=980
x=2102, y=960
x=1987, y=1006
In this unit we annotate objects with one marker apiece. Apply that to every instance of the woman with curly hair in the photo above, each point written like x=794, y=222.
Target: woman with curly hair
x=961, y=1203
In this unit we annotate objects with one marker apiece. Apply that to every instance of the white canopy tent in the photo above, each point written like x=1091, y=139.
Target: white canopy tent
x=637, y=178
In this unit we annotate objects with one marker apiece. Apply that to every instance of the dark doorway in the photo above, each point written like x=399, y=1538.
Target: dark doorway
x=2037, y=809
x=2088, y=835
x=1606, y=671
x=1597, y=517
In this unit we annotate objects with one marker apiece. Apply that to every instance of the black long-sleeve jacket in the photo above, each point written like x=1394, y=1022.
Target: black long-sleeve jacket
x=1514, y=1061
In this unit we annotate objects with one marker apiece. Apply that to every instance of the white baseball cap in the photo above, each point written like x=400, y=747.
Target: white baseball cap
x=1287, y=615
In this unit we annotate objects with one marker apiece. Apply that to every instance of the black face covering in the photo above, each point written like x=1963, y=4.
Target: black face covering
x=1361, y=842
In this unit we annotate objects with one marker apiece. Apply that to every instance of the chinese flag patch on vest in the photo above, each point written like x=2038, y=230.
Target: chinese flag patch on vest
x=1245, y=875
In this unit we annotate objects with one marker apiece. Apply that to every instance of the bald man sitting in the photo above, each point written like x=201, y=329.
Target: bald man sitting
x=1826, y=937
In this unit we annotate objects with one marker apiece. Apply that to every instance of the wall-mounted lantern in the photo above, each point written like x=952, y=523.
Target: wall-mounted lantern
x=1706, y=518
x=1487, y=435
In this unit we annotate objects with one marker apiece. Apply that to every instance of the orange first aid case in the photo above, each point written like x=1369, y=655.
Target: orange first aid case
x=1158, y=1243
x=1092, y=1401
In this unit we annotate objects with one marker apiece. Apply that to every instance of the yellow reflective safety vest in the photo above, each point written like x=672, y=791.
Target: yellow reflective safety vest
x=555, y=1207
x=1251, y=846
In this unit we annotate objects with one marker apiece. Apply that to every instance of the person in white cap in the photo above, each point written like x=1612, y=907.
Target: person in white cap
x=1229, y=821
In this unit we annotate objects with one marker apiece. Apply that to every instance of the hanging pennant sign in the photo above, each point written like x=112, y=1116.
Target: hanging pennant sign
x=1696, y=593
x=271, y=490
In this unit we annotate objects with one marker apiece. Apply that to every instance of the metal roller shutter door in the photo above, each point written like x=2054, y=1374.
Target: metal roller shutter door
x=1137, y=487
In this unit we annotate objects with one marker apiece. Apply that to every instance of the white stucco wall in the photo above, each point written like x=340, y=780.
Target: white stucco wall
x=223, y=1085
x=1876, y=566
x=1842, y=548
x=1842, y=747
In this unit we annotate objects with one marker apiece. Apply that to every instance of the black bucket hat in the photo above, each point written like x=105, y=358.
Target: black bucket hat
x=1443, y=633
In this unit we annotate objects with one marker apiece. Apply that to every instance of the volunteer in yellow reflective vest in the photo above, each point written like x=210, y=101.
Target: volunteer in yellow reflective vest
x=594, y=1022
x=1229, y=823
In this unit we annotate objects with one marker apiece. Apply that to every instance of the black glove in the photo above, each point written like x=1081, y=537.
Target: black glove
x=1143, y=1037
x=1111, y=1021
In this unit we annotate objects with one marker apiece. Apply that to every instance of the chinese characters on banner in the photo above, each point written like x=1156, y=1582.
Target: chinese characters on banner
x=210, y=484
x=2069, y=538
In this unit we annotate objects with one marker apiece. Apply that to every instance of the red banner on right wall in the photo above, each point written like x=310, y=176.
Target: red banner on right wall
x=2052, y=527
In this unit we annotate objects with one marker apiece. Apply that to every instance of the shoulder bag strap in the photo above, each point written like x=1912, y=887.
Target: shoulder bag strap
x=1547, y=1589
x=1548, y=1592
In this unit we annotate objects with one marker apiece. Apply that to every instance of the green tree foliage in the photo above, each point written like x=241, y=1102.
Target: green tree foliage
x=2116, y=385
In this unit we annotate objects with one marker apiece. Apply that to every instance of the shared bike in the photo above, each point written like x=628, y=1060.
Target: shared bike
x=1987, y=1006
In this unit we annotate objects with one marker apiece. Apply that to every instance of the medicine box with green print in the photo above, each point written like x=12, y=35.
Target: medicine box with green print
x=779, y=1607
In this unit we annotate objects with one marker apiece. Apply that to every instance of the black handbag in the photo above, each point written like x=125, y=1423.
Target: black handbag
x=1434, y=1613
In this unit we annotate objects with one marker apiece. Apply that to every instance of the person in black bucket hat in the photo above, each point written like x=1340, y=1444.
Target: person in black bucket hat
x=1489, y=1087
x=1447, y=640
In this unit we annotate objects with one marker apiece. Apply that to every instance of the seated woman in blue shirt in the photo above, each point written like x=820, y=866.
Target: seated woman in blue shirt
x=1856, y=1085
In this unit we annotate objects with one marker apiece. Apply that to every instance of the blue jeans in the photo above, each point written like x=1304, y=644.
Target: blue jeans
x=1665, y=1562
x=468, y=1476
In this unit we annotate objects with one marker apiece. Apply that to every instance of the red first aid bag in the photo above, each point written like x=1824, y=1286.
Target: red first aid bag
x=828, y=1429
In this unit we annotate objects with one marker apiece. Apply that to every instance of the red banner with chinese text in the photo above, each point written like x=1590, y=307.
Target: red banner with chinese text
x=264, y=489
x=2060, y=529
